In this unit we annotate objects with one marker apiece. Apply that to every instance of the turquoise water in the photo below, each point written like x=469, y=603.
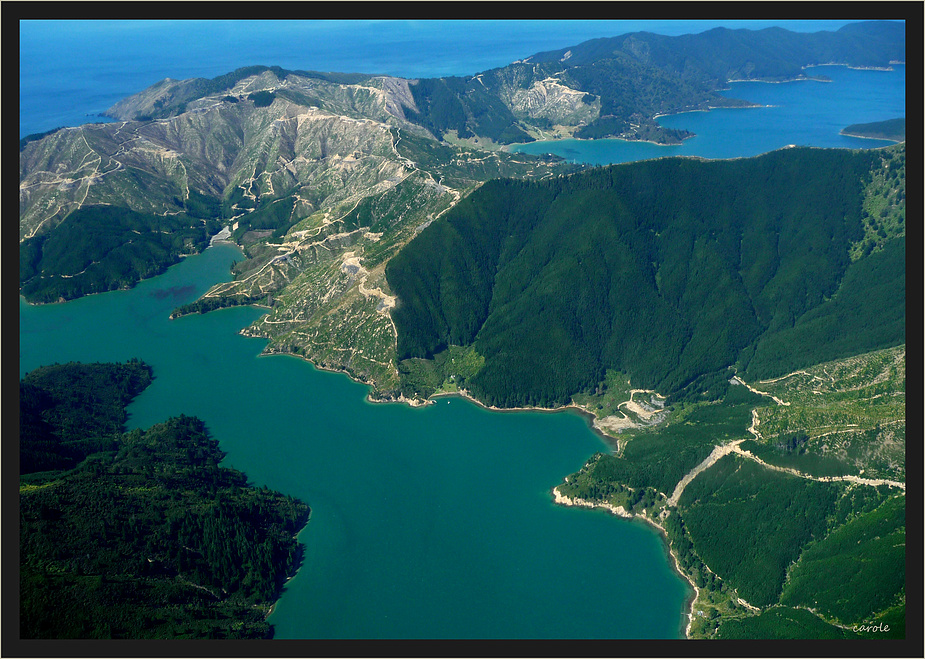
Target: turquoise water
x=426, y=523
x=805, y=113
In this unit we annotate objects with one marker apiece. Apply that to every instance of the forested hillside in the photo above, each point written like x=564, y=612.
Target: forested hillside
x=720, y=54
x=139, y=534
x=69, y=411
x=783, y=501
x=101, y=248
x=671, y=270
x=891, y=129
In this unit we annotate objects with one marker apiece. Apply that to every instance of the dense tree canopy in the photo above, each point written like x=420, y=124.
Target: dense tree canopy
x=102, y=248
x=669, y=270
x=139, y=534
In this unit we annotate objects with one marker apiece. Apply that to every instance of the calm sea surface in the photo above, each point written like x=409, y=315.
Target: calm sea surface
x=426, y=523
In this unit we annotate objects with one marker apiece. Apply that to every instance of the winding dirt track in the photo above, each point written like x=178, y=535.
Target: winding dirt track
x=734, y=447
x=717, y=453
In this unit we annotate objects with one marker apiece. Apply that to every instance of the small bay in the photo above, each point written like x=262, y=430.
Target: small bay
x=426, y=523
x=801, y=112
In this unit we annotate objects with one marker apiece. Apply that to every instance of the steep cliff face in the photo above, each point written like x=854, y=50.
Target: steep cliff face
x=551, y=100
x=396, y=94
x=537, y=95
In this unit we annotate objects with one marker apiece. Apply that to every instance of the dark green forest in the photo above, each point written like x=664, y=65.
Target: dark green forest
x=661, y=456
x=68, y=411
x=856, y=571
x=139, y=534
x=781, y=622
x=891, y=129
x=720, y=54
x=102, y=248
x=262, y=99
x=831, y=548
x=275, y=215
x=749, y=524
x=821, y=559
x=466, y=106
x=671, y=270
x=649, y=131
x=207, y=304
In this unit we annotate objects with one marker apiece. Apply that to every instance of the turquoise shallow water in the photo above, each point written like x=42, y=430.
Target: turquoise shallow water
x=426, y=523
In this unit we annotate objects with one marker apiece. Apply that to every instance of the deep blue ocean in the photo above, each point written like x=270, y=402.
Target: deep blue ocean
x=70, y=71
x=426, y=523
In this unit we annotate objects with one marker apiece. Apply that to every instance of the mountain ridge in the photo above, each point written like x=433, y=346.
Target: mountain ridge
x=555, y=282
x=603, y=73
x=310, y=173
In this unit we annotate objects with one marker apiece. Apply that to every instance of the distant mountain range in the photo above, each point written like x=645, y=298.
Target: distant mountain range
x=600, y=88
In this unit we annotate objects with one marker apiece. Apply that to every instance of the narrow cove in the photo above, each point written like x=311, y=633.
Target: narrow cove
x=426, y=523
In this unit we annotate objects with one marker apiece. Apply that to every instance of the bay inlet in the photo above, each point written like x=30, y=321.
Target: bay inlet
x=432, y=522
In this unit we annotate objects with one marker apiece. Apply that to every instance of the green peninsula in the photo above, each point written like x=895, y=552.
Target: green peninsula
x=139, y=534
x=893, y=130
